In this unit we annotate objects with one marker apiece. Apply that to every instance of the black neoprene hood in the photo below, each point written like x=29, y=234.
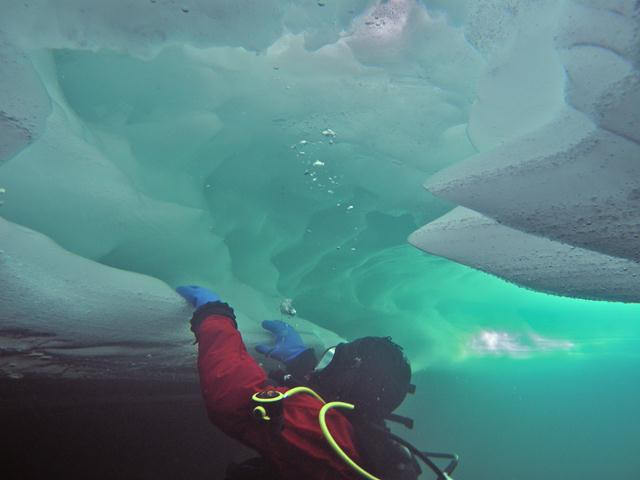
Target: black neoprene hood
x=370, y=372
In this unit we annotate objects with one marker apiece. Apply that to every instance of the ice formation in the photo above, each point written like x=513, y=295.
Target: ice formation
x=533, y=261
x=24, y=104
x=276, y=149
x=561, y=191
x=63, y=314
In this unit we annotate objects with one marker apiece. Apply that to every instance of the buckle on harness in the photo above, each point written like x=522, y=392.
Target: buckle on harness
x=268, y=407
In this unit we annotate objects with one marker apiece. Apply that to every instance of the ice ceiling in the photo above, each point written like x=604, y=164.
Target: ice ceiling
x=275, y=149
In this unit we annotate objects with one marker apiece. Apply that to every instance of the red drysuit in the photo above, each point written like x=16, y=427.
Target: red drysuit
x=229, y=377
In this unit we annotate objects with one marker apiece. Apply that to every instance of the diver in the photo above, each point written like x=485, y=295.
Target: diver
x=312, y=420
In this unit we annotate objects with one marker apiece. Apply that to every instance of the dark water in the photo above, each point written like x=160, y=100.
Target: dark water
x=508, y=420
x=108, y=430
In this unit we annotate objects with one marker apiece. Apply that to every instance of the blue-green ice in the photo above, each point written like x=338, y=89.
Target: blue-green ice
x=280, y=149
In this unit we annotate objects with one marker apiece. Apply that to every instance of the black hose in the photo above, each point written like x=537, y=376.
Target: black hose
x=424, y=456
x=452, y=456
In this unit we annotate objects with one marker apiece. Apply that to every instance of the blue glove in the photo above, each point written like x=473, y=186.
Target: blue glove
x=197, y=296
x=288, y=342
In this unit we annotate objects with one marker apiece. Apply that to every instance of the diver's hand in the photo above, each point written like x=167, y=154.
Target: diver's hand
x=197, y=296
x=288, y=344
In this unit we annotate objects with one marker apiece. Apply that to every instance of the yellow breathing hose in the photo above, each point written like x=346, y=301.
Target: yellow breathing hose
x=334, y=444
x=295, y=390
x=262, y=413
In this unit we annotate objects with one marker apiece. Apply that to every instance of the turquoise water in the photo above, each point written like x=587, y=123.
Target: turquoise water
x=552, y=418
x=564, y=408
x=288, y=162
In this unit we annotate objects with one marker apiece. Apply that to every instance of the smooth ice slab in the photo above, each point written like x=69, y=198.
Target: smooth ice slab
x=472, y=239
x=61, y=314
x=606, y=87
x=576, y=178
x=63, y=179
x=624, y=7
x=142, y=26
x=568, y=181
x=600, y=27
x=599, y=50
x=24, y=103
x=518, y=93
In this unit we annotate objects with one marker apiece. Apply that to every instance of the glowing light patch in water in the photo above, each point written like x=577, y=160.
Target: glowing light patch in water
x=493, y=342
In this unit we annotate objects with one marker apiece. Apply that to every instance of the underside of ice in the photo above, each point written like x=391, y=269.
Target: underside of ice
x=535, y=262
x=68, y=316
x=24, y=103
x=570, y=182
x=276, y=150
